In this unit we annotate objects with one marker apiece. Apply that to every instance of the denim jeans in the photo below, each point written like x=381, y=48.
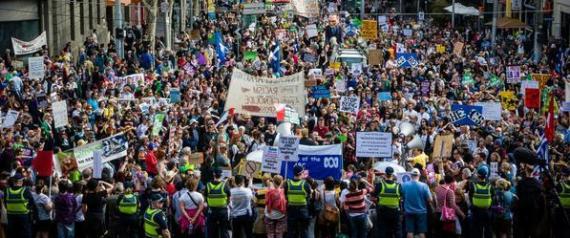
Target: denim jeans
x=358, y=226
x=65, y=231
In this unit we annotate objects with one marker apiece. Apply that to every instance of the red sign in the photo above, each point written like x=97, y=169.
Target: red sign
x=532, y=98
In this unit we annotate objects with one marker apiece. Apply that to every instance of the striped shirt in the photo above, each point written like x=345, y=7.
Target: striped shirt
x=354, y=202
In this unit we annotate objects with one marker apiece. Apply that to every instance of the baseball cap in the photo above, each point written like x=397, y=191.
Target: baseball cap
x=156, y=198
x=298, y=169
x=217, y=172
x=482, y=172
x=415, y=172
x=389, y=170
x=18, y=176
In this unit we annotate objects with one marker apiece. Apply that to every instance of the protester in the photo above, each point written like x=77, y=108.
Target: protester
x=417, y=201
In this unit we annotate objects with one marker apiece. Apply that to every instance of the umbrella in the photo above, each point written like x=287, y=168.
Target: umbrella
x=382, y=165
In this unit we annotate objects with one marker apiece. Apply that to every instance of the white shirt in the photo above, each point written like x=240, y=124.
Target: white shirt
x=188, y=203
x=241, y=201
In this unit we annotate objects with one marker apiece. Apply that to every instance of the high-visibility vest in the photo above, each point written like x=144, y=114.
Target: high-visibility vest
x=565, y=196
x=150, y=226
x=260, y=197
x=296, y=194
x=128, y=204
x=482, y=196
x=216, y=195
x=16, y=203
x=389, y=195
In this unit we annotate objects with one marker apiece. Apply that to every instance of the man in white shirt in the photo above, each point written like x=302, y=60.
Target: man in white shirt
x=241, y=208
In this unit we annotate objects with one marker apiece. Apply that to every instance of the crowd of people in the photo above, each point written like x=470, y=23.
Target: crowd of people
x=505, y=178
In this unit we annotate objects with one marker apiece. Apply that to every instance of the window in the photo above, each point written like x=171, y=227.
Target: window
x=99, y=3
x=72, y=19
x=91, y=15
x=82, y=18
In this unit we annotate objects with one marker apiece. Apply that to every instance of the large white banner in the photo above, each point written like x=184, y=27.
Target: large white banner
x=257, y=96
x=112, y=148
x=27, y=47
x=306, y=8
x=491, y=110
x=59, y=110
x=374, y=144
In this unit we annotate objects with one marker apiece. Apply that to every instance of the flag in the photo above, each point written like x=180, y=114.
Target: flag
x=550, y=122
x=224, y=117
x=542, y=154
x=275, y=59
x=532, y=98
x=43, y=163
x=221, y=49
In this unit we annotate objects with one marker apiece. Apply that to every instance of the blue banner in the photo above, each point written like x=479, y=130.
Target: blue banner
x=320, y=92
x=319, y=161
x=384, y=96
x=407, y=60
x=466, y=115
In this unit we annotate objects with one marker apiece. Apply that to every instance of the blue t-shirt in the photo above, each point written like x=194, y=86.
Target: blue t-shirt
x=416, y=195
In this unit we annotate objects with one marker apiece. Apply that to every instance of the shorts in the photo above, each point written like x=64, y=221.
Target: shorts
x=43, y=226
x=416, y=223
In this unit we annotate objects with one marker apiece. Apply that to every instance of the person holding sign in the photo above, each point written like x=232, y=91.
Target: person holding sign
x=298, y=193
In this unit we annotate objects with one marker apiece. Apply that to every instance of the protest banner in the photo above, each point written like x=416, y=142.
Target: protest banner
x=250, y=55
x=43, y=164
x=349, y=104
x=314, y=75
x=157, y=123
x=374, y=57
x=253, y=8
x=270, y=161
x=59, y=112
x=211, y=7
x=528, y=84
x=10, y=118
x=509, y=100
x=288, y=146
x=340, y=84
x=356, y=69
x=320, y=92
x=196, y=158
x=407, y=60
x=36, y=67
x=335, y=66
x=541, y=78
x=458, y=48
x=369, y=30
x=258, y=95
x=425, y=88
x=132, y=79
x=319, y=161
x=374, y=144
x=442, y=146
x=400, y=48
x=384, y=96
x=306, y=8
x=466, y=115
x=513, y=74
x=491, y=110
x=407, y=32
x=175, y=96
x=81, y=157
x=311, y=30
x=439, y=48
x=403, y=177
x=28, y=47
x=532, y=98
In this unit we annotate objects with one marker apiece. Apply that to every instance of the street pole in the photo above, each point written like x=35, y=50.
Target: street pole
x=453, y=14
x=119, y=25
x=537, y=27
x=494, y=29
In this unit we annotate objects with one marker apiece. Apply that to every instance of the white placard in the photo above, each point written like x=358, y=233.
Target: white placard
x=356, y=69
x=253, y=8
x=408, y=32
x=311, y=30
x=10, y=119
x=288, y=146
x=97, y=164
x=36, y=67
x=270, y=162
x=349, y=104
x=382, y=20
x=567, y=92
x=404, y=177
x=513, y=74
x=59, y=110
x=374, y=144
x=528, y=84
x=257, y=96
x=491, y=110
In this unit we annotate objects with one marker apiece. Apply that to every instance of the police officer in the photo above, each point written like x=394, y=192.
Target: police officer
x=388, y=206
x=297, y=192
x=128, y=212
x=155, y=224
x=481, y=195
x=217, y=196
x=19, y=207
x=562, y=226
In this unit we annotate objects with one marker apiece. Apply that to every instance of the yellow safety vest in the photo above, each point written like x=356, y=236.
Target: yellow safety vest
x=482, y=196
x=216, y=195
x=128, y=204
x=296, y=194
x=389, y=196
x=15, y=202
x=565, y=196
x=150, y=226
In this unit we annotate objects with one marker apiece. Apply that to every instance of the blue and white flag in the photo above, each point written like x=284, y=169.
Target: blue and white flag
x=542, y=154
x=319, y=161
x=221, y=49
x=275, y=59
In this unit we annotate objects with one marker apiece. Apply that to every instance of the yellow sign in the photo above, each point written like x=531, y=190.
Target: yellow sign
x=335, y=66
x=509, y=100
x=439, y=48
x=369, y=30
x=541, y=78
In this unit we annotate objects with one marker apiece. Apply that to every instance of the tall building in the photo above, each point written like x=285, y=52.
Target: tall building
x=561, y=19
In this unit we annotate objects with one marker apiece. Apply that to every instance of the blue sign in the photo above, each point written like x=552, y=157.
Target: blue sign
x=319, y=161
x=320, y=92
x=175, y=96
x=407, y=60
x=384, y=96
x=466, y=115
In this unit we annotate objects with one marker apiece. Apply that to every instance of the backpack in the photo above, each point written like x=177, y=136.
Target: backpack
x=498, y=207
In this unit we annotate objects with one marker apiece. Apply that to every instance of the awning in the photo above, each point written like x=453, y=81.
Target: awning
x=461, y=9
x=508, y=23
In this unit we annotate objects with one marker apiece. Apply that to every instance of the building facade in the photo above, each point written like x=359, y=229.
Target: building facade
x=561, y=20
